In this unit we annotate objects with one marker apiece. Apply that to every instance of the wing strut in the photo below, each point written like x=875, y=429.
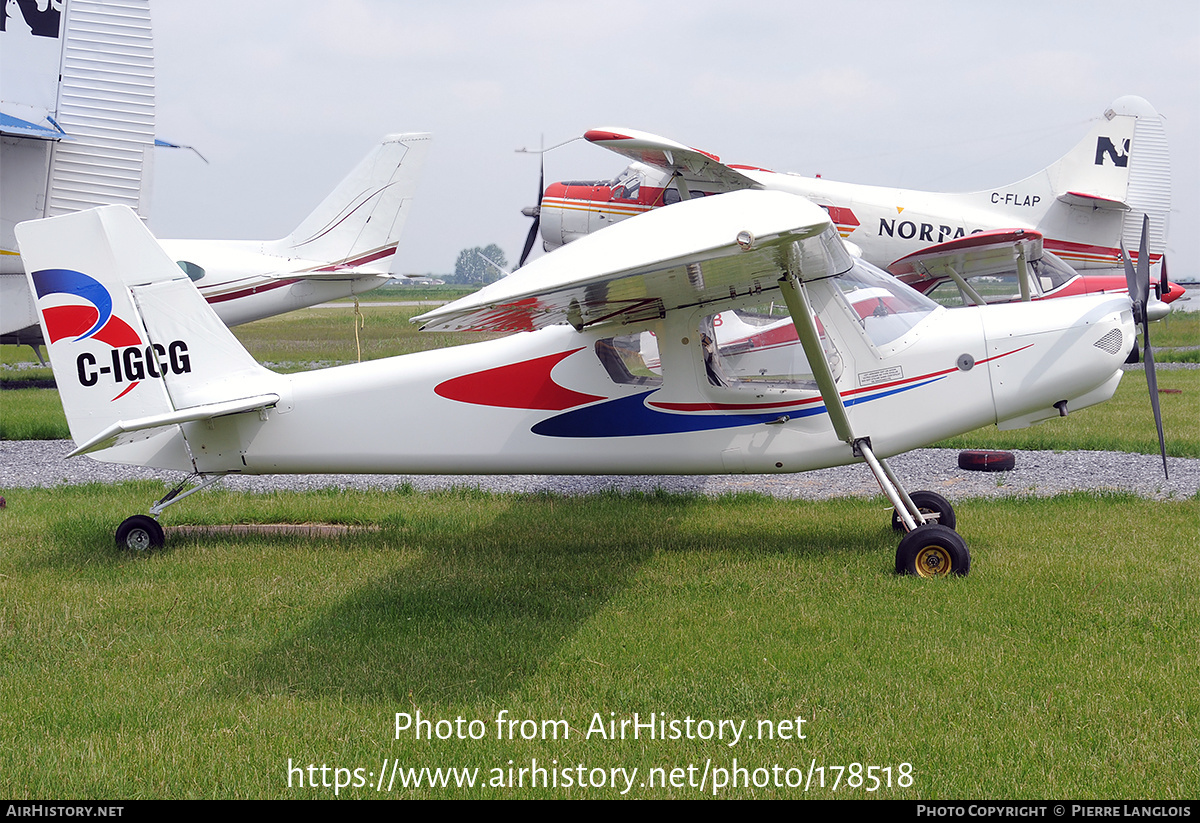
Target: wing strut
x=806, y=328
x=965, y=286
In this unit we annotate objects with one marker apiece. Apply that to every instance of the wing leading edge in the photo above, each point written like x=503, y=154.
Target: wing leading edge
x=697, y=252
x=695, y=165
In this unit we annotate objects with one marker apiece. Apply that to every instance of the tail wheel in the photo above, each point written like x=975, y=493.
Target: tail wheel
x=929, y=503
x=140, y=534
x=933, y=550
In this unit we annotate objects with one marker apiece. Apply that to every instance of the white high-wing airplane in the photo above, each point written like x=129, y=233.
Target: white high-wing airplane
x=344, y=247
x=1084, y=205
x=149, y=375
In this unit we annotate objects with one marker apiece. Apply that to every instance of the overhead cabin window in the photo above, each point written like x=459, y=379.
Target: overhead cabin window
x=631, y=359
x=194, y=272
x=887, y=308
x=628, y=190
x=757, y=348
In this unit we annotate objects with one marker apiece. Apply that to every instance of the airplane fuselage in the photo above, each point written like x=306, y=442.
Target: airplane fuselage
x=554, y=401
x=885, y=223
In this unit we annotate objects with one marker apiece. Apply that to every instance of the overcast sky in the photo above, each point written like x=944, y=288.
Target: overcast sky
x=284, y=96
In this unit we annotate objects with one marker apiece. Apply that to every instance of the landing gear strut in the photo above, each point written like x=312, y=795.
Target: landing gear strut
x=930, y=547
x=141, y=533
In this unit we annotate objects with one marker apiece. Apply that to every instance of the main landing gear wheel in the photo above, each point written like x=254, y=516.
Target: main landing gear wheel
x=140, y=534
x=929, y=503
x=933, y=550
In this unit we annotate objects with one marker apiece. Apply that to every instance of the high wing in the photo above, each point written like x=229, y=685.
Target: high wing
x=693, y=164
x=702, y=251
x=988, y=253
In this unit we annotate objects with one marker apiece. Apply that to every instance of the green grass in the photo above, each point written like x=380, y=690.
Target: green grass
x=299, y=339
x=434, y=293
x=32, y=414
x=1124, y=423
x=1177, y=329
x=1064, y=666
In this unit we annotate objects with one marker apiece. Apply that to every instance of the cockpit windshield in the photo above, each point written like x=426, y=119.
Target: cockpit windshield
x=887, y=308
x=1051, y=271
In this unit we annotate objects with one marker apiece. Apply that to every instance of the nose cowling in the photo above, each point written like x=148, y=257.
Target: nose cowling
x=1050, y=357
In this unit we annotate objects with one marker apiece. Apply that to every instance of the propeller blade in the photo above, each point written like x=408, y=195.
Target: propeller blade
x=1152, y=383
x=1164, y=285
x=1143, y=263
x=1130, y=279
x=537, y=212
x=541, y=179
x=529, y=238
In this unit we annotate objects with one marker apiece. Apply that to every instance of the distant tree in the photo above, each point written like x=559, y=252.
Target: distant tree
x=472, y=268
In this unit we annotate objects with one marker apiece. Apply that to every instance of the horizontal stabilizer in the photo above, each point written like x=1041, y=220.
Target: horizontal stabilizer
x=1092, y=201
x=114, y=435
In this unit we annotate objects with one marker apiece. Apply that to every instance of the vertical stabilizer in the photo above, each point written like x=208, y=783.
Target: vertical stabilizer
x=131, y=340
x=1099, y=191
x=358, y=225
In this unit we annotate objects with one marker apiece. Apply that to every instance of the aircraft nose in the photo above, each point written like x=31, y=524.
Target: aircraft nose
x=1048, y=358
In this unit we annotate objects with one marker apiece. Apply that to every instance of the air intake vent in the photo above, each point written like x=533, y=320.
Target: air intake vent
x=1111, y=342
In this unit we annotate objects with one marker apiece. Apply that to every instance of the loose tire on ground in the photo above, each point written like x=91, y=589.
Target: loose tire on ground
x=933, y=551
x=987, y=461
x=929, y=503
x=140, y=534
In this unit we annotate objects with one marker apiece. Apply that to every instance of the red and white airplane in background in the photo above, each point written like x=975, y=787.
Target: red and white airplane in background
x=1080, y=208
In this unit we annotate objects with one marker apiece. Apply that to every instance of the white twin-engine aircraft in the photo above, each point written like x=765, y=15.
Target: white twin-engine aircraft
x=149, y=375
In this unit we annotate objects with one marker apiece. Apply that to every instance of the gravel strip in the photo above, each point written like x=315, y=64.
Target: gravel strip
x=39, y=463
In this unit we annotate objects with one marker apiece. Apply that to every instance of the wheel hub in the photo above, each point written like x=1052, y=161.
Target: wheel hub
x=933, y=561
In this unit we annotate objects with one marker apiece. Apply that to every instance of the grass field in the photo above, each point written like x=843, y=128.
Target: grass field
x=1064, y=666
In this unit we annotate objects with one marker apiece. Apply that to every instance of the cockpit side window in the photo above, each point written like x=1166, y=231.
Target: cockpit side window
x=631, y=359
x=756, y=348
x=193, y=271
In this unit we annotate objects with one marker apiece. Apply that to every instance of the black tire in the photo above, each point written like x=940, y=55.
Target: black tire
x=140, y=534
x=929, y=503
x=986, y=461
x=1135, y=354
x=933, y=551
